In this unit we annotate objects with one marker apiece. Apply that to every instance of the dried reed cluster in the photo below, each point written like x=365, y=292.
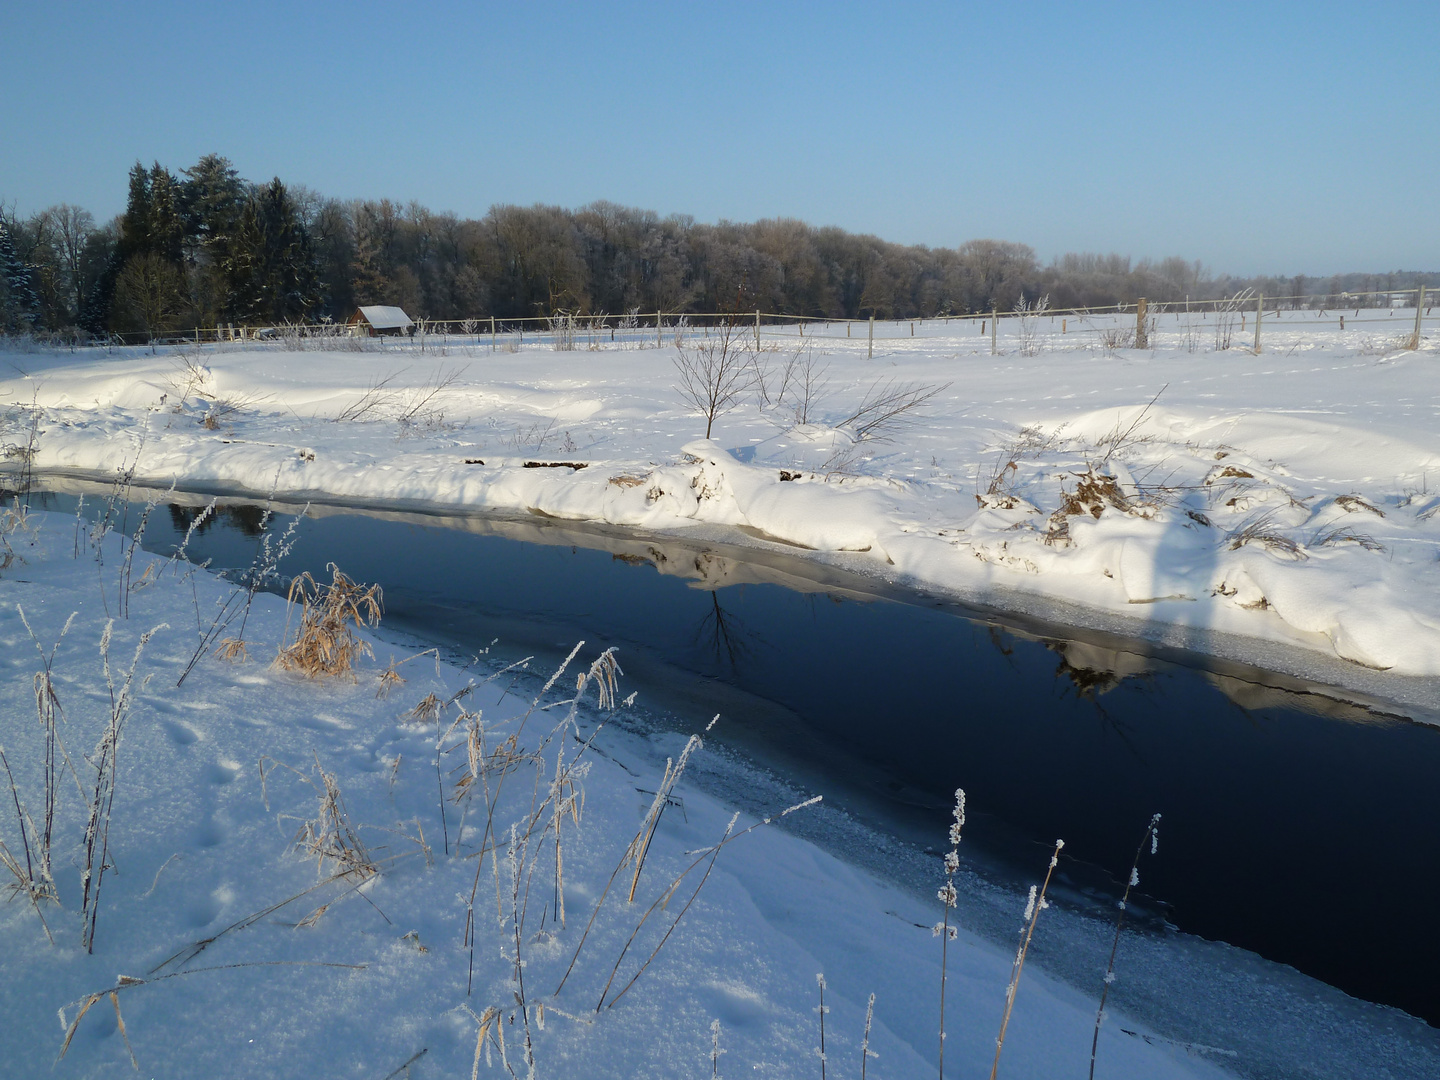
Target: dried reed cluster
x=325, y=643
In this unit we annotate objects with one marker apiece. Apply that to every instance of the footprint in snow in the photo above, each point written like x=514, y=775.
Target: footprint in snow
x=180, y=734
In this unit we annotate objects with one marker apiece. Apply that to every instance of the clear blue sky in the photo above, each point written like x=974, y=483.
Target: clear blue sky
x=1257, y=137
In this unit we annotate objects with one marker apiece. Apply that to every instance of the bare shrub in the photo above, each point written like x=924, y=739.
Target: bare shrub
x=1030, y=312
x=889, y=405
x=802, y=385
x=564, y=326
x=1031, y=441
x=1117, y=337
x=417, y=410
x=1227, y=312
x=325, y=642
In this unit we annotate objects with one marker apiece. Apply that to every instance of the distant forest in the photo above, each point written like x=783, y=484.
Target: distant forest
x=205, y=247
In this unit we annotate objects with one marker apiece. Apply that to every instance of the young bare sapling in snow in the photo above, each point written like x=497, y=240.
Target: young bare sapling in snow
x=716, y=372
x=1151, y=839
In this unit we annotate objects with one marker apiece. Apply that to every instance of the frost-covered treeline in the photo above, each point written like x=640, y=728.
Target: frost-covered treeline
x=204, y=246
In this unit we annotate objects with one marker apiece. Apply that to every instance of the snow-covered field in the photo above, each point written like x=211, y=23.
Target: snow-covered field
x=1287, y=498
x=1292, y=497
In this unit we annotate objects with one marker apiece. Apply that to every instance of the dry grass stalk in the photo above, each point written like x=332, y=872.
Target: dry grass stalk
x=822, y=1010
x=325, y=642
x=35, y=878
x=233, y=651
x=865, y=1052
x=427, y=711
x=1347, y=536
x=706, y=856
x=1262, y=531
x=1150, y=839
x=948, y=899
x=1033, y=907
x=640, y=846
x=264, y=568
x=102, y=803
x=1354, y=503
x=129, y=982
x=331, y=836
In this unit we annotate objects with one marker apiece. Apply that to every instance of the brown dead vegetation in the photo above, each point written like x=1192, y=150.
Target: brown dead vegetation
x=325, y=643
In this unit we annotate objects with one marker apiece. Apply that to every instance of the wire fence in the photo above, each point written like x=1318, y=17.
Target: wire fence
x=1224, y=318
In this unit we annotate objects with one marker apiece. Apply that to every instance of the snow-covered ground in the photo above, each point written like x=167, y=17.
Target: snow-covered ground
x=231, y=952
x=1292, y=497
x=1287, y=499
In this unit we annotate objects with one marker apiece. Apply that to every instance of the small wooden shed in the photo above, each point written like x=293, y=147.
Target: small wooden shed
x=380, y=319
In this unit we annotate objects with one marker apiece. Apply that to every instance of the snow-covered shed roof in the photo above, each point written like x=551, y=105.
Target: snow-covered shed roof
x=383, y=317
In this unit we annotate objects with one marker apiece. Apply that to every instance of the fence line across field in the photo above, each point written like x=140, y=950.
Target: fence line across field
x=637, y=327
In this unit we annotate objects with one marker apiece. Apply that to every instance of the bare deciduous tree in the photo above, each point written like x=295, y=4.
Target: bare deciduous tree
x=150, y=293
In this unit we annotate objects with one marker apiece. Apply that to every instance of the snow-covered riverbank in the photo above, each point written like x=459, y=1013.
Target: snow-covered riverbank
x=1289, y=497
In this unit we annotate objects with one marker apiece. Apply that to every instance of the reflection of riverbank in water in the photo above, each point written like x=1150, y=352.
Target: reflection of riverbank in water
x=717, y=557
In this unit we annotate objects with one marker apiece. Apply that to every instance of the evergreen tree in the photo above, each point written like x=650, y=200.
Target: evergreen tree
x=98, y=270
x=19, y=303
x=270, y=267
x=214, y=195
x=134, y=238
x=166, y=233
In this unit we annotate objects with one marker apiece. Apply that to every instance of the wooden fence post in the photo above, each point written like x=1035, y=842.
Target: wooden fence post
x=994, y=323
x=757, y=329
x=1142, y=337
x=492, y=333
x=1419, y=309
x=1259, y=315
x=657, y=330
x=871, y=355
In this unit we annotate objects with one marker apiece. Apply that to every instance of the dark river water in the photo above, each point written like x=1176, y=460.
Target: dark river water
x=1294, y=825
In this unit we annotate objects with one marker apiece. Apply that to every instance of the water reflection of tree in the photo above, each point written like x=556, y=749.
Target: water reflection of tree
x=722, y=634
x=247, y=519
